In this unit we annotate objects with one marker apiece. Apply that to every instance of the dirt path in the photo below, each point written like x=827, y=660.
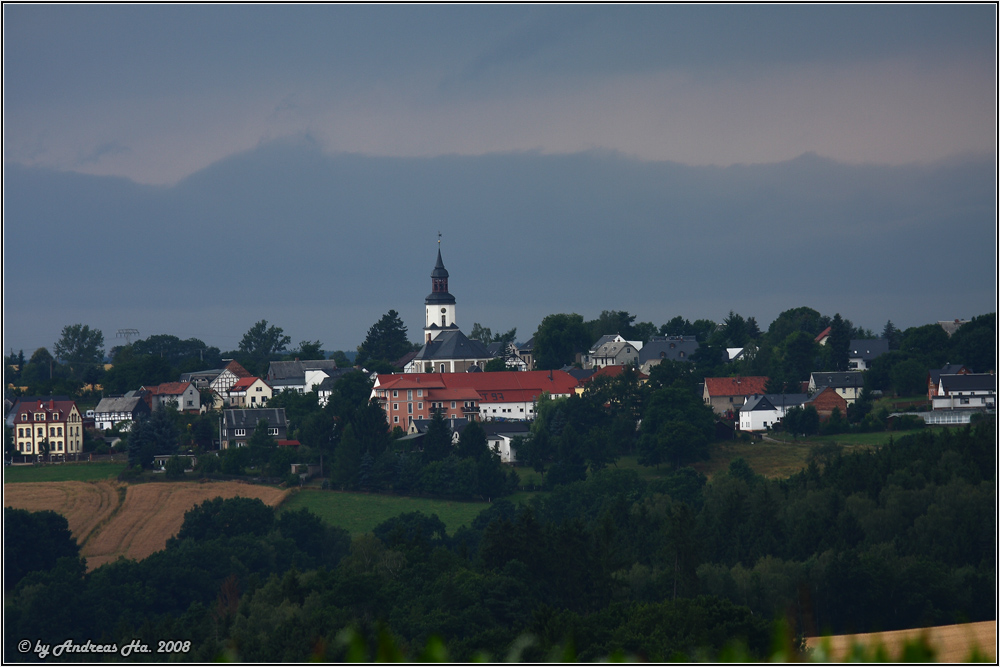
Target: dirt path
x=952, y=643
x=150, y=514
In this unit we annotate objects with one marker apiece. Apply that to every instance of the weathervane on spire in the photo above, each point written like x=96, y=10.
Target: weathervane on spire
x=439, y=239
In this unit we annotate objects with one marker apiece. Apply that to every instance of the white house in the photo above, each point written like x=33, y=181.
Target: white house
x=612, y=350
x=762, y=411
x=973, y=391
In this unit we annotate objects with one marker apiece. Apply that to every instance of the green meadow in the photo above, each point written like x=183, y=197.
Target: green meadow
x=62, y=472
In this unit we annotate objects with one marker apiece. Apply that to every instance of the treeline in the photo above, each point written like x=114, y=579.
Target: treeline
x=898, y=537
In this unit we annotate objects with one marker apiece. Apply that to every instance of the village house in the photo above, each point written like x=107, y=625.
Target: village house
x=727, y=395
x=124, y=410
x=847, y=383
x=184, y=396
x=229, y=376
x=971, y=391
x=763, y=411
x=612, y=350
x=861, y=353
x=299, y=376
x=670, y=348
x=934, y=377
x=238, y=425
x=251, y=392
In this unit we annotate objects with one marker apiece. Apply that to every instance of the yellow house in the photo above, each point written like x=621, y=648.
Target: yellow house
x=250, y=392
x=51, y=423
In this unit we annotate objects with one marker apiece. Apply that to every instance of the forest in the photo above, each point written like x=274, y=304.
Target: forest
x=611, y=565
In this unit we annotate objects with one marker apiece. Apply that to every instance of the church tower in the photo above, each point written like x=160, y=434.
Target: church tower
x=439, y=306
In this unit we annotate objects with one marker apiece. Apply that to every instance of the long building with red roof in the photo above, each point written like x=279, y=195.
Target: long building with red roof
x=55, y=421
x=729, y=394
x=502, y=395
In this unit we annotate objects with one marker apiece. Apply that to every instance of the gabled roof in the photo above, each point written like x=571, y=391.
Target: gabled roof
x=168, y=389
x=236, y=369
x=969, y=382
x=452, y=344
x=736, y=386
x=676, y=349
x=244, y=383
x=291, y=370
x=868, y=348
x=773, y=401
x=823, y=334
x=502, y=386
x=947, y=369
x=121, y=404
x=249, y=417
x=48, y=405
x=837, y=379
x=331, y=379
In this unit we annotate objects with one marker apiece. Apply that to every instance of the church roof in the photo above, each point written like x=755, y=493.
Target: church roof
x=439, y=270
x=452, y=344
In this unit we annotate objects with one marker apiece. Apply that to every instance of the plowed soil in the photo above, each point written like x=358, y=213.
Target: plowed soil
x=951, y=643
x=142, y=524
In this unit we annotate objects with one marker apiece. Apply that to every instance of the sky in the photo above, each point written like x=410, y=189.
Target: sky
x=192, y=169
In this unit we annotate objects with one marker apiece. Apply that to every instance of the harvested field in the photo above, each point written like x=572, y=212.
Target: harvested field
x=86, y=505
x=142, y=524
x=951, y=643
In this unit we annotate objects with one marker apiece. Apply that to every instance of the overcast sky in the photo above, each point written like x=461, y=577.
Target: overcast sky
x=315, y=151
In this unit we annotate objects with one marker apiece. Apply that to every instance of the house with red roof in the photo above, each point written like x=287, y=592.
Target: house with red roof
x=249, y=392
x=504, y=395
x=727, y=395
x=183, y=394
x=51, y=425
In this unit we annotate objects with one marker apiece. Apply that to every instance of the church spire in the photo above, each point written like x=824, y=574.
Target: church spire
x=439, y=306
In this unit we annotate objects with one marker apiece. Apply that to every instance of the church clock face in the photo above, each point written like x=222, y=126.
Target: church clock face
x=444, y=310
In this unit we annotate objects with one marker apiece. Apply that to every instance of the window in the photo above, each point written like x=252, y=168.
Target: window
x=272, y=431
x=420, y=406
x=395, y=393
x=395, y=406
x=20, y=432
x=453, y=405
x=240, y=431
x=442, y=368
x=190, y=404
x=409, y=408
x=24, y=417
x=420, y=393
x=409, y=394
x=395, y=420
x=60, y=431
x=41, y=432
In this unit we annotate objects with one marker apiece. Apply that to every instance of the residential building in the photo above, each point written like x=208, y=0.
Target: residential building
x=825, y=400
x=862, y=352
x=612, y=350
x=325, y=388
x=300, y=376
x=934, y=377
x=727, y=395
x=123, y=410
x=672, y=348
x=763, y=411
x=251, y=392
x=824, y=336
x=54, y=421
x=238, y=425
x=527, y=353
x=183, y=395
x=971, y=391
x=201, y=379
x=847, y=383
x=229, y=376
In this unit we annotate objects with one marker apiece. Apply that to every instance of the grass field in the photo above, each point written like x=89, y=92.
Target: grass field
x=150, y=514
x=359, y=513
x=62, y=472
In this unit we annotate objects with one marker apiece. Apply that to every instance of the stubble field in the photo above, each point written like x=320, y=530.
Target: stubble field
x=950, y=643
x=109, y=519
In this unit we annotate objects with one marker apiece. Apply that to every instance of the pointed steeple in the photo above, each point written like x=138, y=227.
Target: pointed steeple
x=439, y=306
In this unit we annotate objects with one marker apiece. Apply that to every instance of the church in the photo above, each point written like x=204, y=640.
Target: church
x=446, y=349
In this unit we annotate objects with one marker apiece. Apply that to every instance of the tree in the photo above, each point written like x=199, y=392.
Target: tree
x=892, y=334
x=261, y=342
x=386, y=341
x=472, y=442
x=558, y=339
x=347, y=458
x=150, y=437
x=840, y=342
x=34, y=541
x=309, y=350
x=80, y=347
x=437, y=440
x=611, y=322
